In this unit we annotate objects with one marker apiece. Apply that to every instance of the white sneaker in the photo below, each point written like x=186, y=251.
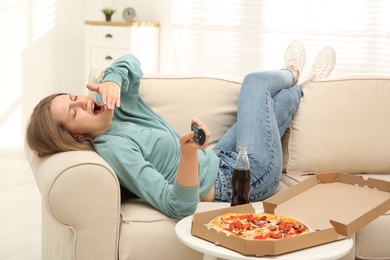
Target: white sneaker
x=295, y=56
x=323, y=64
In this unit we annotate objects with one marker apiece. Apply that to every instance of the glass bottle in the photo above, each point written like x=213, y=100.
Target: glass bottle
x=241, y=179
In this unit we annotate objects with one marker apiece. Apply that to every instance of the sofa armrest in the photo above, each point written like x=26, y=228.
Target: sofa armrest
x=81, y=205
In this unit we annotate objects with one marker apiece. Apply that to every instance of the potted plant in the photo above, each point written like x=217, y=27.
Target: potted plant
x=108, y=12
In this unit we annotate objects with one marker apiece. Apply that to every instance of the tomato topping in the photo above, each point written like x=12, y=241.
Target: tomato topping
x=296, y=227
x=284, y=226
x=257, y=223
x=238, y=224
x=272, y=228
x=248, y=226
x=232, y=226
x=263, y=218
x=276, y=235
x=261, y=236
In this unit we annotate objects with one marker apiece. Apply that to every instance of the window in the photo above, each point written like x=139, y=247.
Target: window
x=235, y=37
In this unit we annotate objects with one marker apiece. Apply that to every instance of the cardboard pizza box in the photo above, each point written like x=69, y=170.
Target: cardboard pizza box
x=333, y=205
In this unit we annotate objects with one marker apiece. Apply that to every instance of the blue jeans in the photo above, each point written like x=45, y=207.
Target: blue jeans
x=266, y=106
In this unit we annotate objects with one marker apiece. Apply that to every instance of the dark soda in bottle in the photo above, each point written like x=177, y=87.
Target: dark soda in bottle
x=241, y=179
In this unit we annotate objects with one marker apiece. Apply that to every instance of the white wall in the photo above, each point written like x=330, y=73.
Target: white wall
x=42, y=52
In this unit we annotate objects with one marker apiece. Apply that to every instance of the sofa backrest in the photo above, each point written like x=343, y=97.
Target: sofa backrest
x=178, y=98
x=213, y=100
x=342, y=124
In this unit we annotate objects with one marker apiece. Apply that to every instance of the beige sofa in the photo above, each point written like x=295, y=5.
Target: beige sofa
x=341, y=124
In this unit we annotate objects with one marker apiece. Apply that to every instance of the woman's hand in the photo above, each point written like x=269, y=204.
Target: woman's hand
x=110, y=91
x=206, y=131
x=187, y=141
x=187, y=174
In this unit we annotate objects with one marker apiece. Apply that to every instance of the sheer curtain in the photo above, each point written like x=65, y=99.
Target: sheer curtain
x=234, y=37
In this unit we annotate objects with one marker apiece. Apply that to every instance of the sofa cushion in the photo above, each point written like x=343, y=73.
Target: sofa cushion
x=177, y=99
x=146, y=233
x=142, y=230
x=342, y=125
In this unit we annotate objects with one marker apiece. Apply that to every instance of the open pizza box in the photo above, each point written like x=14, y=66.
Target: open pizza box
x=333, y=205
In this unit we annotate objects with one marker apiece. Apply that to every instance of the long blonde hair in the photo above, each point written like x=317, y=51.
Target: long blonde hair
x=47, y=136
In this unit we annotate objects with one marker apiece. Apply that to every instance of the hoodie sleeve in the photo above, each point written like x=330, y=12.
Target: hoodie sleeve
x=125, y=71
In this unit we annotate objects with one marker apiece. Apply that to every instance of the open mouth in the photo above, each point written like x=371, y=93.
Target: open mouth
x=97, y=108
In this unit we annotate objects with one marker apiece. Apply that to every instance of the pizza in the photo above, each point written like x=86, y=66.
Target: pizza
x=258, y=226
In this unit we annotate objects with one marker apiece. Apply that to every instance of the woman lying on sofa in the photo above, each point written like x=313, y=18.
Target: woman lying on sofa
x=151, y=160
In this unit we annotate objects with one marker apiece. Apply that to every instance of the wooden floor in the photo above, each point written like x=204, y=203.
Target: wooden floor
x=20, y=208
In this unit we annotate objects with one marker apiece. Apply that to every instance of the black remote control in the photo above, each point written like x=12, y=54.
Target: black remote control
x=200, y=136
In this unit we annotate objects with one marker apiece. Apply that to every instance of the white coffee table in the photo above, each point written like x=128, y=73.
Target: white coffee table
x=334, y=250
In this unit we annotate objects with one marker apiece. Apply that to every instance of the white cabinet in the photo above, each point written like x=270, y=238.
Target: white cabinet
x=107, y=41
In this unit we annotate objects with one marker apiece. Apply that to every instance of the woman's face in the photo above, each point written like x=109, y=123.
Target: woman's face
x=81, y=115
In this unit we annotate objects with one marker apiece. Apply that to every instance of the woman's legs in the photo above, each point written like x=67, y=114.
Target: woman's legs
x=285, y=104
x=266, y=106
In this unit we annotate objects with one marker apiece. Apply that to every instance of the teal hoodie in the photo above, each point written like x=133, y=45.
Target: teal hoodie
x=144, y=150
